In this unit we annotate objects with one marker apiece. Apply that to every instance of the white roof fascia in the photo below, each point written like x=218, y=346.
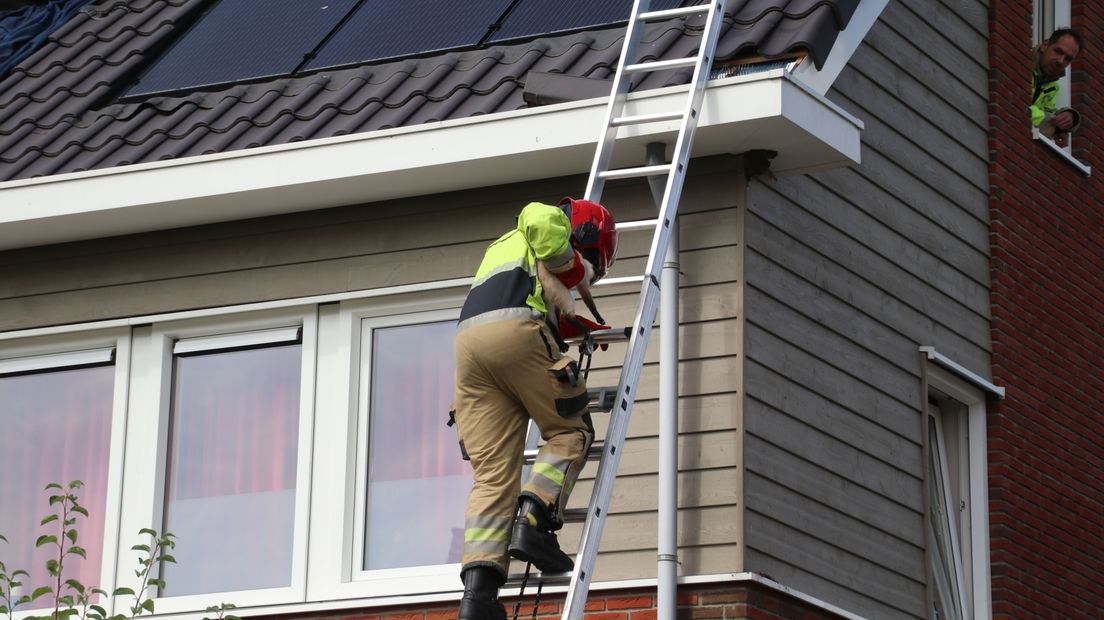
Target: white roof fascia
x=820, y=80
x=761, y=111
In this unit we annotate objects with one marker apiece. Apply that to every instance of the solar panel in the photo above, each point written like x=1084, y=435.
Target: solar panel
x=535, y=17
x=389, y=28
x=239, y=40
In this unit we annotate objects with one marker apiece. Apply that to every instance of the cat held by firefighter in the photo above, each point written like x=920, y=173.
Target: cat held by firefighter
x=560, y=302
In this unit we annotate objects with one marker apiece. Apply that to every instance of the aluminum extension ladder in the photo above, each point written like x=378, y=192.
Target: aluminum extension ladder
x=621, y=401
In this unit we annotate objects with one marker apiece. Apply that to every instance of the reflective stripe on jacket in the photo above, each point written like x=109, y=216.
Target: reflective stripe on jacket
x=506, y=284
x=1044, y=99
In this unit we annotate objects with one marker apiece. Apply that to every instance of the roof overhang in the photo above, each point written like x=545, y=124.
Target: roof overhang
x=772, y=111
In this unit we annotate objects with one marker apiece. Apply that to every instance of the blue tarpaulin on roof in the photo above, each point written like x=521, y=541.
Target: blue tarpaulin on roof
x=23, y=30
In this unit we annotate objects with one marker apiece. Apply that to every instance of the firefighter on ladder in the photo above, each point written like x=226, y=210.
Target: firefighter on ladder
x=509, y=370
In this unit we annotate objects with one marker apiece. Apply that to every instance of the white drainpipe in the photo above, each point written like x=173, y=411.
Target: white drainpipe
x=668, y=408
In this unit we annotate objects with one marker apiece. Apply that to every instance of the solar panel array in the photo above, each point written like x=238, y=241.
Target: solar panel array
x=237, y=41
x=242, y=40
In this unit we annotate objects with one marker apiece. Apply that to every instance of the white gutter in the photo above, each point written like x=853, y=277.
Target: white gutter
x=762, y=111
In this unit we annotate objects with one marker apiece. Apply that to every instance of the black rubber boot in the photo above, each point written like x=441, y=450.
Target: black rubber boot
x=480, y=601
x=534, y=541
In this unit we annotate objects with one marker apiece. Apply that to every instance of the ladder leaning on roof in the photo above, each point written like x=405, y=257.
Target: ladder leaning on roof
x=675, y=173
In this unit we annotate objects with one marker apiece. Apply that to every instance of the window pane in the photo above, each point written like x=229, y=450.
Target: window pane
x=230, y=497
x=417, y=483
x=56, y=428
x=946, y=565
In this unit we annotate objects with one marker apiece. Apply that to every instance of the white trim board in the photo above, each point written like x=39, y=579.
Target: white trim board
x=770, y=110
x=846, y=43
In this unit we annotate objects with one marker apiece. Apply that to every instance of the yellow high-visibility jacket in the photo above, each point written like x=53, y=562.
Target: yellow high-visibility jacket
x=1044, y=99
x=506, y=285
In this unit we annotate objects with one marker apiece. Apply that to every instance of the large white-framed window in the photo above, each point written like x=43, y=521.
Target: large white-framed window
x=388, y=387
x=299, y=454
x=219, y=454
x=62, y=418
x=957, y=497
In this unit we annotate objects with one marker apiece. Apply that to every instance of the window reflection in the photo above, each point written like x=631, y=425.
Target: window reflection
x=54, y=427
x=230, y=497
x=417, y=482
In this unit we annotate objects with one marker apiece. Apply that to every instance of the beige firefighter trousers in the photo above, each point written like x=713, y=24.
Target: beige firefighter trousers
x=506, y=373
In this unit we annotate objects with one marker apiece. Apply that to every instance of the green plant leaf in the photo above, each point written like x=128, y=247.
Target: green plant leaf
x=52, y=566
x=147, y=530
x=71, y=535
x=45, y=539
x=122, y=592
x=99, y=610
x=145, y=548
x=148, y=605
x=156, y=583
x=65, y=613
x=66, y=600
x=80, y=509
x=76, y=585
x=167, y=558
x=55, y=499
x=75, y=550
x=2, y=538
x=53, y=485
x=48, y=519
x=40, y=591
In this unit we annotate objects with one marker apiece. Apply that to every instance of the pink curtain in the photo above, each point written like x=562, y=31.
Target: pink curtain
x=412, y=383
x=235, y=422
x=54, y=427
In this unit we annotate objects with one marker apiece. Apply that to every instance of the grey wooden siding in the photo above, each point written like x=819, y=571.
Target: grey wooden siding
x=848, y=272
x=439, y=237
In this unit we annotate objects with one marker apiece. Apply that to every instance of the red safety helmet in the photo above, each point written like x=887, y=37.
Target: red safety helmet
x=593, y=233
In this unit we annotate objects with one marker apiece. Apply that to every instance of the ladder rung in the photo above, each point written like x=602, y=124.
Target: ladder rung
x=640, y=119
x=652, y=16
x=575, y=515
x=592, y=454
x=613, y=334
x=604, y=398
x=660, y=65
x=535, y=577
x=639, y=171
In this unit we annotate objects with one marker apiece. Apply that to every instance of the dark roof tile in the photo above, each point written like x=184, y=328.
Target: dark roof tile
x=56, y=114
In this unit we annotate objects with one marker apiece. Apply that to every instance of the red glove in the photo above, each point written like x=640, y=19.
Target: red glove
x=572, y=277
x=568, y=329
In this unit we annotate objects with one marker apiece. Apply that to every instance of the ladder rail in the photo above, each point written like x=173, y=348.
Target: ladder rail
x=617, y=98
x=649, y=295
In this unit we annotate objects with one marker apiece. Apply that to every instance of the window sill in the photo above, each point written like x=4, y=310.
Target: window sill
x=1063, y=153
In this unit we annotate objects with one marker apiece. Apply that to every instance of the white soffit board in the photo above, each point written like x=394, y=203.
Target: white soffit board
x=866, y=13
x=770, y=111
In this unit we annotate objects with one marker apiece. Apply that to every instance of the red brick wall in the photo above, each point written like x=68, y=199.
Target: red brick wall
x=742, y=600
x=1046, y=439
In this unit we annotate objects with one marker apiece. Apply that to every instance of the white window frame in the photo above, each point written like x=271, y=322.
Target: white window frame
x=337, y=539
x=975, y=479
x=67, y=350
x=147, y=441
x=1048, y=15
